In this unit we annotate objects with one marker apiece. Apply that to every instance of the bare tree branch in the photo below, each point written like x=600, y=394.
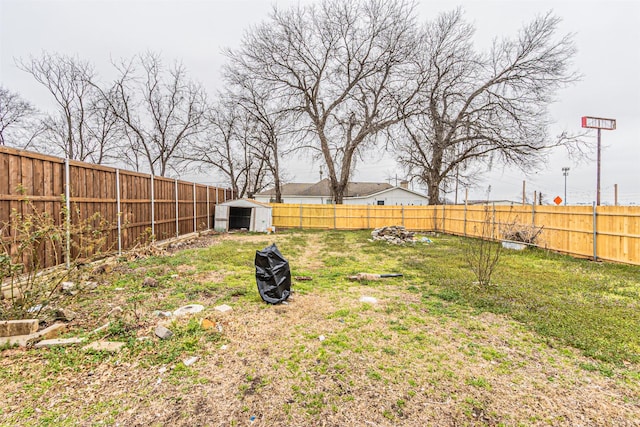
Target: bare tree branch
x=161, y=109
x=480, y=108
x=18, y=125
x=345, y=65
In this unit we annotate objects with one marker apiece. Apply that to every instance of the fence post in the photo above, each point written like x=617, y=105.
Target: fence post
x=195, y=226
x=224, y=197
x=208, y=211
x=465, y=216
x=435, y=218
x=493, y=228
x=300, y=215
x=67, y=195
x=402, y=212
x=595, y=232
x=153, y=208
x=368, y=216
x=119, y=211
x=334, y=215
x=444, y=229
x=533, y=213
x=177, y=210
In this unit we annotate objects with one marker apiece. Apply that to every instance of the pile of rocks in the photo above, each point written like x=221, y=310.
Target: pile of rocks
x=395, y=234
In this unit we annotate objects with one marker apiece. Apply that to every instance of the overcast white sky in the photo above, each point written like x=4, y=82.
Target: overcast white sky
x=607, y=35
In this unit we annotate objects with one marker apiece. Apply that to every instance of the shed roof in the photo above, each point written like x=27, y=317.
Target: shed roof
x=245, y=203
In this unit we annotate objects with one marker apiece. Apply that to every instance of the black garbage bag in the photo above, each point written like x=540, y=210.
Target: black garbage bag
x=273, y=275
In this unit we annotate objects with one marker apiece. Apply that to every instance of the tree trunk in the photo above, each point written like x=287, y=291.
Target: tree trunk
x=434, y=176
x=278, y=190
x=276, y=171
x=433, y=187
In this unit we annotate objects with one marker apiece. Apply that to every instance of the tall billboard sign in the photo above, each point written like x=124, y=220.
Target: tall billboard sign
x=598, y=123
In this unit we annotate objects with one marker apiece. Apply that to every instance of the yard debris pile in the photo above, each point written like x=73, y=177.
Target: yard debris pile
x=145, y=251
x=395, y=234
x=521, y=233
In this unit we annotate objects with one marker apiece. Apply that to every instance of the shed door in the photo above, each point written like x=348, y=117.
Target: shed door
x=240, y=218
x=221, y=218
x=262, y=219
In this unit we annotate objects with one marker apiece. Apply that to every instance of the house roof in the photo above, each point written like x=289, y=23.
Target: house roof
x=323, y=189
x=406, y=190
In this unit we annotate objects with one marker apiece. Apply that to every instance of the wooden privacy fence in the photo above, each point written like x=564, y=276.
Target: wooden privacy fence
x=133, y=205
x=604, y=232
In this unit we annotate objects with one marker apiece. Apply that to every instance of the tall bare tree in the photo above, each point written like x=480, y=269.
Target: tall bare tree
x=228, y=147
x=161, y=109
x=77, y=127
x=480, y=108
x=345, y=65
x=269, y=122
x=17, y=119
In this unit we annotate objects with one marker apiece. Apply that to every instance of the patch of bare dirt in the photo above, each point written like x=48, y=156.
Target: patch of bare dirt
x=209, y=277
x=203, y=240
x=311, y=260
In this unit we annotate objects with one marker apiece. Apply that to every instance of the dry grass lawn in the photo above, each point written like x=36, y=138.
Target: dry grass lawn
x=323, y=359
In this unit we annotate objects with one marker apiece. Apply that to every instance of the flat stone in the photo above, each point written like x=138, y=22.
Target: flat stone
x=10, y=328
x=69, y=288
x=108, y=346
x=24, y=340
x=163, y=333
x=150, y=282
x=370, y=300
x=52, y=331
x=223, y=308
x=188, y=309
x=59, y=342
x=159, y=313
x=101, y=328
x=190, y=361
x=91, y=285
x=65, y=314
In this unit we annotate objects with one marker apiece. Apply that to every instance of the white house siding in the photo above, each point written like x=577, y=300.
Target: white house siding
x=392, y=197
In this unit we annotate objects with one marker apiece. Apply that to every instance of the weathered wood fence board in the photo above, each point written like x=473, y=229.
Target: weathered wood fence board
x=568, y=229
x=149, y=205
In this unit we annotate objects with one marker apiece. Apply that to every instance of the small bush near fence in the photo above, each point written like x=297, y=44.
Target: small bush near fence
x=29, y=242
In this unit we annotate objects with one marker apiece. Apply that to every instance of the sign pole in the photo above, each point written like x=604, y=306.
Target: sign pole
x=598, y=123
x=565, y=172
x=598, y=179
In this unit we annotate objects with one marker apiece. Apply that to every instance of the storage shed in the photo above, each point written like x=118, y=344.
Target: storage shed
x=243, y=214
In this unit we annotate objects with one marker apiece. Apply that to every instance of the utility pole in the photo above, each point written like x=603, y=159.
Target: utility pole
x=524, y=196
x=565, y=172
x=615, y=194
